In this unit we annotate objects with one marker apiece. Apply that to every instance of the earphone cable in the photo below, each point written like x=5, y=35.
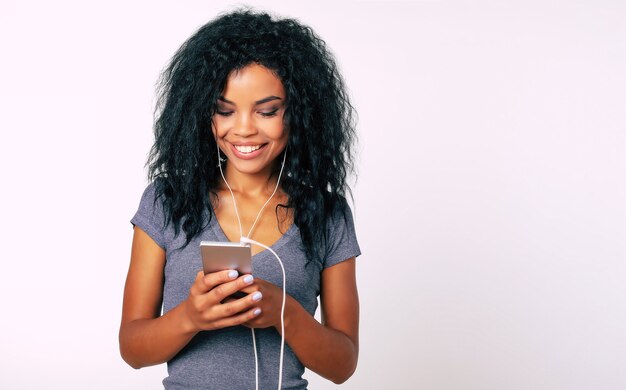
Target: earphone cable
x=248, y=240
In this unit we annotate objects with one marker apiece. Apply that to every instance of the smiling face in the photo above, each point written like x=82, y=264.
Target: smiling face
x=248, y=122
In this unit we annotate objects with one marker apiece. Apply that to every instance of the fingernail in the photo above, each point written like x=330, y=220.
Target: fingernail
x=233, y=274
x=248, y=278
x=256, y=312
x=257, y=296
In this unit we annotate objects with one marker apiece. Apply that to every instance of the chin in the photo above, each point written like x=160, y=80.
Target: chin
x=246, y=167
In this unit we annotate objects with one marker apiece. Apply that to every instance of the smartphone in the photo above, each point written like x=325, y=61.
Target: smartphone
x=219, y=256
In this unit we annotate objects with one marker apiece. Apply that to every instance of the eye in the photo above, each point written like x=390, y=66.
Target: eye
x=269, y=113
x=223, y=113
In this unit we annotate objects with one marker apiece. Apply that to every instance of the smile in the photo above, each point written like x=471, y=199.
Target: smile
x=247, y=148
x=247, y=152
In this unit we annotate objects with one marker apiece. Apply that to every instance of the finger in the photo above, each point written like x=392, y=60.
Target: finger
x=224, y=290
x=236, y=306
x=256, y=285
x=238, y=319
x=216, y=278
x=259, y=285
x=250, y=289
x=220, y=293
x=195, y=289
x=210, y=280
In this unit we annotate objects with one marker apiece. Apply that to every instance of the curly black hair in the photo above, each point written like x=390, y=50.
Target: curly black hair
x=183, y=160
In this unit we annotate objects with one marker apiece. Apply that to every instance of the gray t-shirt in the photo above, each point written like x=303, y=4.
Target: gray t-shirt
x=224, y=358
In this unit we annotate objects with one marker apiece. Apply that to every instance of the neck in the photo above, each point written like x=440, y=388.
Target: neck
x=252, y=185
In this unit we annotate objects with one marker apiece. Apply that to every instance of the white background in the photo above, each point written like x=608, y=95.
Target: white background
x=490, y=202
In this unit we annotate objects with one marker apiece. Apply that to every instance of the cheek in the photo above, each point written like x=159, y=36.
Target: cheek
x=276, y=130
x=217, y=128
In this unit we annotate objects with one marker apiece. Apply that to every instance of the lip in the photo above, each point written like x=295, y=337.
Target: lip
x=246, y=156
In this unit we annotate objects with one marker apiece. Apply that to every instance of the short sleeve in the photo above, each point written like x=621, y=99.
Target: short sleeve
x=149, y=216
x=342, y=243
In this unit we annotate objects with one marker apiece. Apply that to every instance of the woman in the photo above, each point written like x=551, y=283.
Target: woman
x=249, y=106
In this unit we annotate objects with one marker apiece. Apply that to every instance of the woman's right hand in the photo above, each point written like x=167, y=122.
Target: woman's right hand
x=207, y=306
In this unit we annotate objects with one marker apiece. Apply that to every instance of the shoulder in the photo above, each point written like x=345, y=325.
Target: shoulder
x=341, y=217
x=150, y=216
x=149, y=192
x=341, y=240
x=153, y=196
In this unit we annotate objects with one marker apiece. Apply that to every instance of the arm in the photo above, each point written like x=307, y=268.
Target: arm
x=145, y=337
x=331, y=348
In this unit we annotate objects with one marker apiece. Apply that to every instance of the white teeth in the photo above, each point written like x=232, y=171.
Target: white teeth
x=247, y=149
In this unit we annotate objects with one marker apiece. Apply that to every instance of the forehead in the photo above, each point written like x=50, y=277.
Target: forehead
x=252, y=83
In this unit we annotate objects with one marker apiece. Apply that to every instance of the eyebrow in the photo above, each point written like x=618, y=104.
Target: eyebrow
x=264, y=100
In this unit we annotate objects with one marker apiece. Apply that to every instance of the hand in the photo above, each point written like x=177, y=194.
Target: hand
x=270, y=305
x=207, y=306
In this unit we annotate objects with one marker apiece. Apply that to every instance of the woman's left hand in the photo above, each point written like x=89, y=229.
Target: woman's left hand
x=270, y=304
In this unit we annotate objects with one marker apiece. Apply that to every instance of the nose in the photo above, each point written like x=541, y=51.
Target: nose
x=245, y=126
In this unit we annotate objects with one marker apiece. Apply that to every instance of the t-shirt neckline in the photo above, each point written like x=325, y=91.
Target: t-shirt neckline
x=221, y=236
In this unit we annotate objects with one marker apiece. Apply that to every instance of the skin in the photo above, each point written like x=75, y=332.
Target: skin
x=329, y=348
